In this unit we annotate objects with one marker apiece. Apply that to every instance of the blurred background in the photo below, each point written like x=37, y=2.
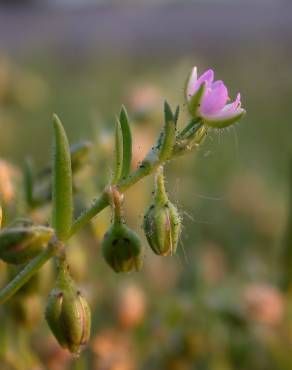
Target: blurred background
x=223, y=302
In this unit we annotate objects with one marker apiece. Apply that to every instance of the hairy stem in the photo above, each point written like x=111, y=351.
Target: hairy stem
x=98, y=204
x=102, y=201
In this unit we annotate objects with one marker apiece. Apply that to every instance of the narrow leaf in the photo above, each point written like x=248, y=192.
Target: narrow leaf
x=118, y=153
x=61, y=182
x=127, y=143
x=167, y=139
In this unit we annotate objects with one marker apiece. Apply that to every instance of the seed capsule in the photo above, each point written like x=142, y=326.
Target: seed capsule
x=68, y=314
x=162, y=223
x=19, y=244
x=121, y=247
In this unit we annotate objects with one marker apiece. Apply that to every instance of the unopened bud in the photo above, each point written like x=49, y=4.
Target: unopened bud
x=162, y=223
x=68, y=314
x=19, y=244
x=121, y=247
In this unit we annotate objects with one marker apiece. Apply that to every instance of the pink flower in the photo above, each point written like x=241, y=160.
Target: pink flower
x=208, y=99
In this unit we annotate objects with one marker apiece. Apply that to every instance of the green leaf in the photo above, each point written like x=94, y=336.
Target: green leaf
x=127, y=143
x=61, y=183
x=167, y=139
x=176, y=114
x=118, y=153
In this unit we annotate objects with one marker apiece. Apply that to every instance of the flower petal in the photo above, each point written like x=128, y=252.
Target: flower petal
x=214, y=99
x=207, y=76
x=195, y=83
x=226, y=119
x=191, y=82
x=232, y=107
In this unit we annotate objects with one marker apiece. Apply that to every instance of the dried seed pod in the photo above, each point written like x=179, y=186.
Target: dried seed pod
x=162, y=223
x=121, y=247
x=67, y=313
x=19, y=244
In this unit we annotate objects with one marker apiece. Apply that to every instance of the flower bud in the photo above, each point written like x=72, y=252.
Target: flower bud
x=162, y=223
x=121, y=247
x=68, y=313
x=19, y=244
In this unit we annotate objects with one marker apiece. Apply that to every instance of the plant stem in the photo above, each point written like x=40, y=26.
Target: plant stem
x=102, y=201
x=28, y=271
x=146, y=168
x=188, y=127
x=160, y=192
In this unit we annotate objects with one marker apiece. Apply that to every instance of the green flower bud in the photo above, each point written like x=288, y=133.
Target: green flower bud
x=162, y=223
x=121, y=247
x=19, y=244
x=68, y=314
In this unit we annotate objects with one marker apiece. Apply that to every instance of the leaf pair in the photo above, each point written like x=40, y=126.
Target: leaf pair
x=163, y=149
x=167, y=138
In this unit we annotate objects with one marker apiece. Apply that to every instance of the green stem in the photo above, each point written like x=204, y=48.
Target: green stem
x=103, y=201
x=160, y=192
x=116, y=203
x=187, y=128
x=97, y=206
x=27, y=272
